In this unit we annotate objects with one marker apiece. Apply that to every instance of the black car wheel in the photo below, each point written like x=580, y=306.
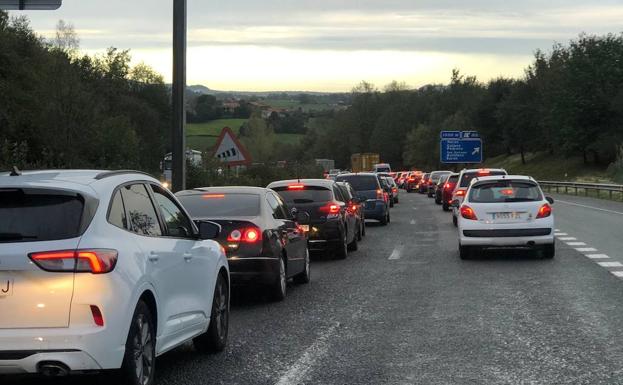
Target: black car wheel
x=360, y=231
x=305, y=275
x=139, y=361
x=549, y=251
x=363, y=227
x=215, y=338
x=465, y=252
x=396, y=200
x=445, y=207
x=437, y=200
x=391, y=202
x=342, y=250
x=353, y=245
x=455, y=221
x=279, y=287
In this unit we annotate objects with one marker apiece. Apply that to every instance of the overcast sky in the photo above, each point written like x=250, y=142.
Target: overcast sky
x=330, y=45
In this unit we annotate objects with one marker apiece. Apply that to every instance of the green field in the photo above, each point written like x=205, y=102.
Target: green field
x=543, y=166
x=202, y=136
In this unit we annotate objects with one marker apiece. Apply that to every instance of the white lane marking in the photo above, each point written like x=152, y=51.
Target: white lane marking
x=412, y=221
x=414, y=208
x=610, y=264
x=396, y=253
x=576, y=243
x=561, y=234
x=586, y=249
x=597, y=256
x=556, y=229
x=568, y=239
x=590, y=207
x=618, y=273
x=296, y=374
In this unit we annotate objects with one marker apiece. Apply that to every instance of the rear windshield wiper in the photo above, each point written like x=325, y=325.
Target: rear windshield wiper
x=15, y=237
x=519, y=200
x=303, y=201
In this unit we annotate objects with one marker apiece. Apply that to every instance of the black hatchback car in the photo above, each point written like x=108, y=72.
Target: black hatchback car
x=369, y=190
x=262, y=240
x=332, y=227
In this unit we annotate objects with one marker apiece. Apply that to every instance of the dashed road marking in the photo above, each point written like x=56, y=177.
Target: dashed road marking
x=590, y=207
x=412, y=221
x=586, y=249
x=576, y=243
x=568, y=239
x=597, y=256
x=298, y=371
x=610, y=264
x=560, y=234
x=414, y=208
x=617, y=273
x=396, y=253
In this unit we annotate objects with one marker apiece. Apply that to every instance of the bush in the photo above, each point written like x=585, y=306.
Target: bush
x=616, y=168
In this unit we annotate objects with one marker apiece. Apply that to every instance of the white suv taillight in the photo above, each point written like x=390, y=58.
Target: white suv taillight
x=96, y=261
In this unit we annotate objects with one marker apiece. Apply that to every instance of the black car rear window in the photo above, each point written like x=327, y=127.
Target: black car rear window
x=360, y=182
x=31, y=215
x=468, y=176
x=453, y=179
x=504, y=192
x=304, y=194
x=210, y=205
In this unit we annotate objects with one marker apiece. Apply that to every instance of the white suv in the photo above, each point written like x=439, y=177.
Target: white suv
x=465, y=178
x=104, y=270
x=506, y=211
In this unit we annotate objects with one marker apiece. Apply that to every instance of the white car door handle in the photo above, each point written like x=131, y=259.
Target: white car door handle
x=153, y=257
x=188, y=257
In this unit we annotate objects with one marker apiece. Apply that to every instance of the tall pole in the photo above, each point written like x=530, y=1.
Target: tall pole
x=178, y=95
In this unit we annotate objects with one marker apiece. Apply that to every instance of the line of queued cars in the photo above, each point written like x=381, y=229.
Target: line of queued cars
x=106, y=270
x=490, y=208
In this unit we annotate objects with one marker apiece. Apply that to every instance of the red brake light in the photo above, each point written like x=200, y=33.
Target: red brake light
x=460, y=192
x=379, y=194
x=468, y=213
x=98, y=318
x=411, y=179
x=98, y=261
x=213, y=196
x=246, y=235
x=484, y=172
x=545, y=211
x=296, y=187
x=507, y=192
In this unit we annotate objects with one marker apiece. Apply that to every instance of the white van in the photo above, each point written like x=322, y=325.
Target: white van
x=382, y=167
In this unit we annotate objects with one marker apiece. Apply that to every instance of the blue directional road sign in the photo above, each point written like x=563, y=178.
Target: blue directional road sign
x=451, y=135
x=461, y=151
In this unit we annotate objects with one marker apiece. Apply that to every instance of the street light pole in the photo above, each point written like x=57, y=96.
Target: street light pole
x=179, y=96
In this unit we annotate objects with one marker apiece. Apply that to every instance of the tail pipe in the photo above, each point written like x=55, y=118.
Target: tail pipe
x=53, y=369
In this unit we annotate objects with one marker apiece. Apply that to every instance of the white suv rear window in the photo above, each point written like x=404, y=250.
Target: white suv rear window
x=31, y=215
x=505, y=192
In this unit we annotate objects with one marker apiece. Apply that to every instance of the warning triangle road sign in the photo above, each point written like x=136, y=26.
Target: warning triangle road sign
x=230, y=151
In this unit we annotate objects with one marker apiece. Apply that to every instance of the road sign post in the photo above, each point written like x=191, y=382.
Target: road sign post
x=27, y=5
x=178, y=94
x=461, y=147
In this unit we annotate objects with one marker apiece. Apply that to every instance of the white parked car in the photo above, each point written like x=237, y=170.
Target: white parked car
x=104, y=270
x=505, y=212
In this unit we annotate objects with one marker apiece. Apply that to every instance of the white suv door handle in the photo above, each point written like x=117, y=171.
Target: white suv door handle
x=153, y=257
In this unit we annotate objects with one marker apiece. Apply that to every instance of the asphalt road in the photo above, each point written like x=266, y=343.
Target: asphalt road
x=404, y=309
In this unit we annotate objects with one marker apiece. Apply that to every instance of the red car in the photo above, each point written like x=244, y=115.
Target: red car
x=413, y=180
x=448, y=189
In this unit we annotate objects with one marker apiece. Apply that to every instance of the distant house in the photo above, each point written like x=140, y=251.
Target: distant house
x=281, y=112
x=230, y=106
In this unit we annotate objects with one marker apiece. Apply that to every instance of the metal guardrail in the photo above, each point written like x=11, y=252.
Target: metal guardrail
x=585, y=188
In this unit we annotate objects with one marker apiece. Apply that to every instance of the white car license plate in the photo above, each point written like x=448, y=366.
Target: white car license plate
x=305, y=228
x=507, y=215
x=6, y=286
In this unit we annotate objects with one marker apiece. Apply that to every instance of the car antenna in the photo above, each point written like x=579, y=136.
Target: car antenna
x=15, y=172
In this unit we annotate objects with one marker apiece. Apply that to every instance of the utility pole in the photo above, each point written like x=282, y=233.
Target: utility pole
x=179, y=96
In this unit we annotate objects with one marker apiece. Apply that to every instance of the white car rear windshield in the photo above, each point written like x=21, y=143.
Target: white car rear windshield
x=504, y=192
x=32, y=215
